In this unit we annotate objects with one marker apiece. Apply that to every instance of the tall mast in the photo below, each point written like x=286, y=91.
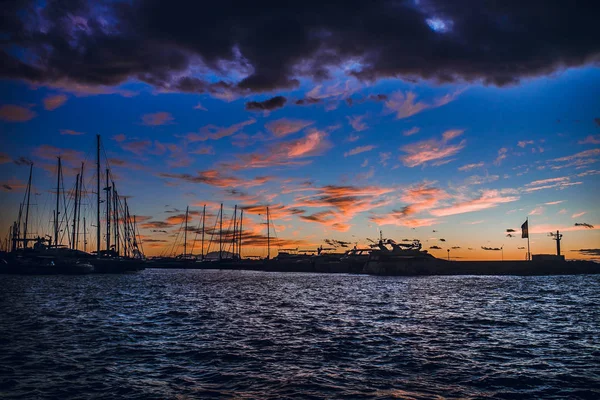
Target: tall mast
x=57, y=204
x=27, y=208
x=116, y=218
x=79, y=207
x=187, y=208
x=84, y=236
x=268, y=236
x=221, y=234
x=107, y=188
x=203, y=219
x=233, y=241
x=98, y=195
x=240, y=234
x=126, y=228
x=76, y=202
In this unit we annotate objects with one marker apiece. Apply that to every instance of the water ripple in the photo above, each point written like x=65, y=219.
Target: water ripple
x=240, y=334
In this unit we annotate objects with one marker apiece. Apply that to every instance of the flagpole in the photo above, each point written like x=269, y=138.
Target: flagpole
x=528, y=250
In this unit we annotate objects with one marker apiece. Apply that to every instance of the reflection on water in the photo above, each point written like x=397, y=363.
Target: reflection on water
x=200, y=334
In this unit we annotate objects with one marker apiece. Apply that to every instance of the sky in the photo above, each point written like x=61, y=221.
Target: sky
x=447, y=123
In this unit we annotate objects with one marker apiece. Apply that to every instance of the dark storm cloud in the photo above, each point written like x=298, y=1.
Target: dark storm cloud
x=270, y=45
x=267, y=105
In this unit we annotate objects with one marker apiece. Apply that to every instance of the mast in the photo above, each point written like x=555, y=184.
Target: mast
x=79, y=207
x=76, y=202
x=268, y=236
x=107, y=188
x=97, y=195
x=126, y=228
x=57, y=204
x=528, y=251
x=221, y=234
x=27, y=208
x=187, y=208
x=203, y=219
x=233, y=241
x=115, y=197
x=84, y=236
x=240, y=234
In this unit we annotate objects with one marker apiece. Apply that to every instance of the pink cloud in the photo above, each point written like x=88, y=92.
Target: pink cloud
x=411, y=131
x=12, y=113
x=524, y=143
x=357, y=122
x=405, y=105
x=53, y=102
x=421, y=153
x=577, y=215
x=212, y=132
x=4, y=158
x=284, y=126
x=200, y=107
x=159, y=118
x=469, y=167
x=70, y=132
x=537, y=211
x=591, y=139
x=488, y=199
x=360, y=149
x=119, y=138
x=501, y=156
x=582, y=154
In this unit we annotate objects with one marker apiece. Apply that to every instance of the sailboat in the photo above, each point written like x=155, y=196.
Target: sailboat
x=43, y=257
x=125, y=254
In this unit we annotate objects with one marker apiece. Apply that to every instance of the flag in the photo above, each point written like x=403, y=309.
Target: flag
x=525, y=230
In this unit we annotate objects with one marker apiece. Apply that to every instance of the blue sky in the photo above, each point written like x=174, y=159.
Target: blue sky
x=459, y=134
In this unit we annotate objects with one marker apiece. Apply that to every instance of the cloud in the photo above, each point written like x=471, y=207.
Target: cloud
x=411, y=131
x=284, y=126
x=70, y=132
x=435, y=247
x=469, y=167
x=577, y=215
x=138, y=147
x=524, y=143
x=50, y=153
x=212, y=132
x=53, y=102
x=537, y=211
x=584, y=224
x=199, y=106
x=487, y=199
x=552, y=203
x=550, y=183
x=358, y=150
x=591, y=139
x=119, y=138
x=491, y=248
x=421, y=153
x=582, y=154
x=357, y=122
x=216, y=178
x=267, y=105
x=597, y=121
x=405, y=105
x=480, y=180
x=588, y=252
x=156, y=119
x=162, y=43
x=12, y=113
x=5, y=158
x=501, y=156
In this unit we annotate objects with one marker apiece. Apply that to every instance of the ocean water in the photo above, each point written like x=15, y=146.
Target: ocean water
x=185, y=334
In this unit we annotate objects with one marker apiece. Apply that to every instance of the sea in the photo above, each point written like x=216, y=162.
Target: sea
x=199, y=334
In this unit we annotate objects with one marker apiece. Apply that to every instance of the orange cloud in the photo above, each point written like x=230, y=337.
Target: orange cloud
x=53, y=102
x=421, y=153
x=284, y=126
x=12, y=113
